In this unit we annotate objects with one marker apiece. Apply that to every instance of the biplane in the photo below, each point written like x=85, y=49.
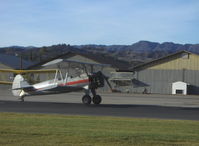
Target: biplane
x=84, y=80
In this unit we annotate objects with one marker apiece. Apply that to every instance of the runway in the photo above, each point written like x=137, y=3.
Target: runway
x=136, y=111
x=120, y=105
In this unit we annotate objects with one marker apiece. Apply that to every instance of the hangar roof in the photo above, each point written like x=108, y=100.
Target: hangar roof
x=160, y=60
x=101, y=59
x=14, y=62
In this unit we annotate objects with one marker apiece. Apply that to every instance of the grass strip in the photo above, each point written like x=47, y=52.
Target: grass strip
x=51, y=130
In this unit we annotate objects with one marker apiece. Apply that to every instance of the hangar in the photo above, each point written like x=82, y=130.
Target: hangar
x=167, y=75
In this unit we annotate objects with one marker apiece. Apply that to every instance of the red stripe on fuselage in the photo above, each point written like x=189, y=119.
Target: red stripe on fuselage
x=75, y=82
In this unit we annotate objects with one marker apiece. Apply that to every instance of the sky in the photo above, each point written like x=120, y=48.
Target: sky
x=106, y=22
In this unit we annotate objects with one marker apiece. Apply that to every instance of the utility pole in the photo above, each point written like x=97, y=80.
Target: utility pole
x=21, y=62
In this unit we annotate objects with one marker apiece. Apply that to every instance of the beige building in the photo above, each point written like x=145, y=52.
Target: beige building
x=158, y=75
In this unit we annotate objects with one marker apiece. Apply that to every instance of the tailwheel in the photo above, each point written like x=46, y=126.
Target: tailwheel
x=97, y=99
x=86, y=99
x=21, y=98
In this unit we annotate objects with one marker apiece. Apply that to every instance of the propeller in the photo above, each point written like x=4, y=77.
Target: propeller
x=97, y=80
x=107, y=81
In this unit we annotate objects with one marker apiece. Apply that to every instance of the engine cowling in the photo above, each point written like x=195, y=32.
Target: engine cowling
x=96, y=80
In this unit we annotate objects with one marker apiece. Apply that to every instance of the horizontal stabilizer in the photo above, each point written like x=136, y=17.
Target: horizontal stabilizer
x=25, y=88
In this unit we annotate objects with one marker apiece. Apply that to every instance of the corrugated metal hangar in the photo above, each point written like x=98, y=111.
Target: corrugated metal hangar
x=159, y=76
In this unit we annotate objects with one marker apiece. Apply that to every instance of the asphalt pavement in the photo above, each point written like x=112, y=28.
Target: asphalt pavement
x=114, y=104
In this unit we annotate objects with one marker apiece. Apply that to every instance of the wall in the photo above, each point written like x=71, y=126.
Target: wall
x=160, y=81
x=159, y=75
x=178, y=62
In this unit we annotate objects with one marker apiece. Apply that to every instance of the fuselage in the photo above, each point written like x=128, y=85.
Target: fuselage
x=61, y=86
x=55, y=86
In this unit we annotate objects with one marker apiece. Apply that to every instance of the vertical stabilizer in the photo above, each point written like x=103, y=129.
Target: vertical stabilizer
x=18, y=82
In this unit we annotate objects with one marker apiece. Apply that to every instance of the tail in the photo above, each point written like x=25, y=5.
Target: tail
x=17, y=85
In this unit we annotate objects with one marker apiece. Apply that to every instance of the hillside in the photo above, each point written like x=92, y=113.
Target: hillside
x=141, y=51
x=134, y=54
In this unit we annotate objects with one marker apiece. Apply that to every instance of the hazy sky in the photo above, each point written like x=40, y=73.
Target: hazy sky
x=75, y=22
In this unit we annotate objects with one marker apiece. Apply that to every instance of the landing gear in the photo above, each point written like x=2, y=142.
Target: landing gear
x=96, y=80
x=86, y=99
x=97, y=99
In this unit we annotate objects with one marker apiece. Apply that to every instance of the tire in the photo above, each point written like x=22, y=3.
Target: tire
x=97, y=99
x=86, y=99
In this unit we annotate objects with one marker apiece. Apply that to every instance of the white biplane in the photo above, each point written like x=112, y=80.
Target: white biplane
x=88, y=82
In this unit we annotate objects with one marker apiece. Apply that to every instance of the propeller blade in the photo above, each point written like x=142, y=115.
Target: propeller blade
x=107, y=81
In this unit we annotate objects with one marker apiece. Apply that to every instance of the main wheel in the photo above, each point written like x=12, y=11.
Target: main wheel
x=86, y=99
x=97, y=99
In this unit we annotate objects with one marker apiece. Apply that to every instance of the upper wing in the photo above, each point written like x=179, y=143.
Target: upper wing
x=75, y=61
x=86, y=63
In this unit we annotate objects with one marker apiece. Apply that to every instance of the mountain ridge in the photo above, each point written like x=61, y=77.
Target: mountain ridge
x=134, y=54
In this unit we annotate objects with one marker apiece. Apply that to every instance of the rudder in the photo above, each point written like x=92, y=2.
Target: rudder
x=18, y=83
